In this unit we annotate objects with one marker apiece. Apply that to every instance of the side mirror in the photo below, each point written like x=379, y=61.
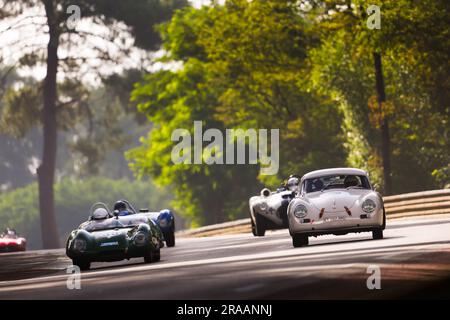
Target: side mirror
x=116, y=214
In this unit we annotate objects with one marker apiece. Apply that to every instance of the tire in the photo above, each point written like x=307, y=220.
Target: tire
x=152, y=256
x=377, y=234
x=253, y=227
x=384, y=220
x=260, y=228
x=82, y=264
x=157, y=255
x=299, y=240
x=170, y=238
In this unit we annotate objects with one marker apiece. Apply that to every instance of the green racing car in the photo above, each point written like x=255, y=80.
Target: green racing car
x=107, y=237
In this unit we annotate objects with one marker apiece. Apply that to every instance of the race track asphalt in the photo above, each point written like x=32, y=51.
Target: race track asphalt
x=413, y=260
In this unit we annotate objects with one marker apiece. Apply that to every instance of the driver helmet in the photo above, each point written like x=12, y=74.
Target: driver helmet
x=100, y=213
x=292, y=183
x=10, y=232
x=120, y=206
x=351, y=181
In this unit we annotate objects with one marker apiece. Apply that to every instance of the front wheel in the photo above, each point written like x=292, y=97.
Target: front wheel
x=377, y=234
x=82, y=264
x=253, y=227
x=170, y=238
x=299, y=240
x=157, y=255
x=152, y=256
x=260, y=228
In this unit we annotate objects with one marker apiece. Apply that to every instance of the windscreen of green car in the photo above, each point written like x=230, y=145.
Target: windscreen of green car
x=113, y=223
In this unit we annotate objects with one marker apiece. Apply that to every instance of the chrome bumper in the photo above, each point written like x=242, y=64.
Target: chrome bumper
x=335, y=222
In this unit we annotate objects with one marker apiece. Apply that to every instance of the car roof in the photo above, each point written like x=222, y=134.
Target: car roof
x=333, y=171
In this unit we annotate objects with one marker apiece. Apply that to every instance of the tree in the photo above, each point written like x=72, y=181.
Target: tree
x=384, y=125
x=138, y=16
x=16, y=155
x=203, y=193
x=414, y=49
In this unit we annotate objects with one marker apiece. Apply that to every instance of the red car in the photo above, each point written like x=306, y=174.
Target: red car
x=11, y=242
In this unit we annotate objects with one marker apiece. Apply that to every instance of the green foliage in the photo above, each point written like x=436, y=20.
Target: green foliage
x=442, y=175
x=60, y=110
x=92, y=140
x=174, y=100
x=19, y=209
x=343, y=70
x=21, y=112
x=414, y=44
x=86, y=117
x=139, y=15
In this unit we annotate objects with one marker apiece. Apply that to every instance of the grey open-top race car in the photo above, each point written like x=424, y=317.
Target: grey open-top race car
x=268, y=211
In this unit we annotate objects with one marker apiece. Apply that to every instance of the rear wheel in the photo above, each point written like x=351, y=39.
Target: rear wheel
x=377, y=234
x=299, y=240
x=260, y=228
x=82, y=264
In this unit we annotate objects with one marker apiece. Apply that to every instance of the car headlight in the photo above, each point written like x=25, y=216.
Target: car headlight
x=263, y=206
x=300, y=211
x=79, y=245
x=368, y=206
x=139, y=239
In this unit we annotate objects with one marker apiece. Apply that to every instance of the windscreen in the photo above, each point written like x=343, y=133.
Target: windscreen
x=113, y=223
x=336, y=182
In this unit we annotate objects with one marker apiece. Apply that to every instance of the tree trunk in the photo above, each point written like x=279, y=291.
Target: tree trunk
x=46, y=171
x=384, y=126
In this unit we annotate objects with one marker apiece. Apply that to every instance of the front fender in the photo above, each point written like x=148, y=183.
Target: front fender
x=312, y=213
x=79, y=234
x=374, y=196
x=156, y=232
x=166, y=220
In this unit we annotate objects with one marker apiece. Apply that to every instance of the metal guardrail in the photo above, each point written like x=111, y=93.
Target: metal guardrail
x=206, y=230
x=398, y=206
x=418, y=203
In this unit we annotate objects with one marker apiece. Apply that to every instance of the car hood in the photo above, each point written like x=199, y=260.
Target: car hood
x=110, y=235
x=336, y=200
x=151, y=215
